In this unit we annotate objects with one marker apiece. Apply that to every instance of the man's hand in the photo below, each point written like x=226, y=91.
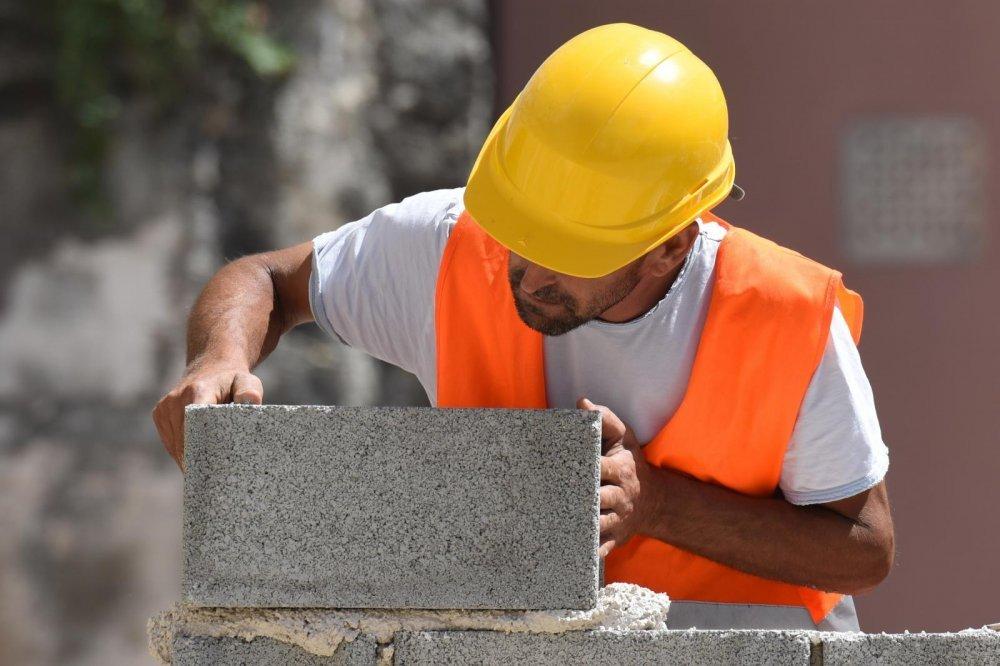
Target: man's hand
x=626, y=484
x=236, y=322
x=843, y=546
x=209, y=385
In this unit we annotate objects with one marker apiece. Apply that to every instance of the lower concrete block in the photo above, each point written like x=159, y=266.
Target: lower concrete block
x=978, y=646
x=602, y=647
x=208, y=651
x=343, y=507
x=621, y=607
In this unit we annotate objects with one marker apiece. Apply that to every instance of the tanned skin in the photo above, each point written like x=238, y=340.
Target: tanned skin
x=844, y=546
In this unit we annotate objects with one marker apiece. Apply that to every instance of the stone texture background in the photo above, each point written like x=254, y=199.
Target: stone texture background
x=388, y=97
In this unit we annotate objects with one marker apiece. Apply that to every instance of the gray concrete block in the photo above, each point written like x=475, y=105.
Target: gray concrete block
x=981, y=646
x=391, y=507
x=208, y=651
x=602, y=647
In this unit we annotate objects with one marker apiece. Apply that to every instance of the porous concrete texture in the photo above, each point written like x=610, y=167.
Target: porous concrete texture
x=422, y=648
x=204, y=650
x=342, y=507
x=628, y=626
x=603, y=647
x=972, y=646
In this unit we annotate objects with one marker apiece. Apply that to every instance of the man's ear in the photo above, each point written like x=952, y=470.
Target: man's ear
x=669, y=256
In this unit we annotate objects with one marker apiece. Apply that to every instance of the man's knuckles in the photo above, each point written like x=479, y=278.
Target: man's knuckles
x=609, y=521
x=610, y=470
x=619, y=467
x=626, y=466
x=613, y=498
x=200, y=391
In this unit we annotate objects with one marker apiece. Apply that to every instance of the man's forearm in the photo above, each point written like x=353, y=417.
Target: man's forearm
x=236, y=319
x=769, y=537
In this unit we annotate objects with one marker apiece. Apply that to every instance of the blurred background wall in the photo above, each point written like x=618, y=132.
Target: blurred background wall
x=884, y=114
x=144, y=143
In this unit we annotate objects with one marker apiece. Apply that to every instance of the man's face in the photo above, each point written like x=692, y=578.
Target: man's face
x=554, y=303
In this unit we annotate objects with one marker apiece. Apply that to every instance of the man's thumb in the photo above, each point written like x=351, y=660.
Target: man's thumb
x=612, y=428
x=247, y=389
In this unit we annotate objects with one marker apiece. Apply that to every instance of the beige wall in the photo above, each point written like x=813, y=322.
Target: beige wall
x=794, y=73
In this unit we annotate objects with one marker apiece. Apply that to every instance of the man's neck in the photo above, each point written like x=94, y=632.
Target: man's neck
x=649, y=291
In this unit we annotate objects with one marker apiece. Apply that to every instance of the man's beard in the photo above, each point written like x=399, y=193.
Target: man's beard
x=572, y=315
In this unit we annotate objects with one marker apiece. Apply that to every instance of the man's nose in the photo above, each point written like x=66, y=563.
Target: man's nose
x=535, y=278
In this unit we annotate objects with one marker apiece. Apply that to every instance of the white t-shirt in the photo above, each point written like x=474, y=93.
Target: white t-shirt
x=373, y=287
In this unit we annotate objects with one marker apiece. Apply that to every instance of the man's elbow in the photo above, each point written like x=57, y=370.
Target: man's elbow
x=878, y=552
x=869, y=543
x=284, y=276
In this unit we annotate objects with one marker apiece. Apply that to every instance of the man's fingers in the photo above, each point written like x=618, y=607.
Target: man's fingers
x=175, y=417
x=610, y=470
x=608, y=522
x=606, y=547
x=172, y=413
x=612, y=427
x=162, y=418
x=630, y=442
x=200, y=392
x=613, y=499
x=163, y=428
x=247, y=389
x=206, y=387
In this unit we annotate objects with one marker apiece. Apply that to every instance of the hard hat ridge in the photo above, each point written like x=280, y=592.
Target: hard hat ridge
x=617, y=142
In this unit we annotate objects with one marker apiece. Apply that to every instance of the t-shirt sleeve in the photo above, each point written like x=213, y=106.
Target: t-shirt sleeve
x=373, y=280
x=836, y=450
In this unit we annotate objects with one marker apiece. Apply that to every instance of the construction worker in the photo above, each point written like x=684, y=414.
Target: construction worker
x=743, y=471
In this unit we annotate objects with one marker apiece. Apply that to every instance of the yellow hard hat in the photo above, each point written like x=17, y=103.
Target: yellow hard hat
x=618, y=142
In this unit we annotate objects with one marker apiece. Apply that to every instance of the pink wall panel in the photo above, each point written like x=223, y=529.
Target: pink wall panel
x=795, y=73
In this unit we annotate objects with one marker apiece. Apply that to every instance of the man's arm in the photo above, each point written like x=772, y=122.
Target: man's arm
x=843, y=546
x=235, y=323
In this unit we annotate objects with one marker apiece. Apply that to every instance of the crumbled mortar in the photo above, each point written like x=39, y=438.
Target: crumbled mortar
x=620, y=607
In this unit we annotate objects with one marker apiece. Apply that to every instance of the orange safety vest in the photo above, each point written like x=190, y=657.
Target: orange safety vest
x=764, y=335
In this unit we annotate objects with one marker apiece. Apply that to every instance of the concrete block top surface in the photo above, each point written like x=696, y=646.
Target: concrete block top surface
x=971, y=646
x=347, y=507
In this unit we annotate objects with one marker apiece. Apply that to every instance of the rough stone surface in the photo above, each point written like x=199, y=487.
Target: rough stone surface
x=202, y=650
x=391, y=507
x=973, y=646
x=603, y=647
x=628, y=626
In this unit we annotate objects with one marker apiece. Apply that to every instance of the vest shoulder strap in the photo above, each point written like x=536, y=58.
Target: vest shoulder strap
x=765, y=331
x=486, y=356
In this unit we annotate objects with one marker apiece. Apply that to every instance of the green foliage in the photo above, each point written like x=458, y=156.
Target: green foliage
x=107, y=50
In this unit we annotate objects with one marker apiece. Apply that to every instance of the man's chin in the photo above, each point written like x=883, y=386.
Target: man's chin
x=551, y=326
